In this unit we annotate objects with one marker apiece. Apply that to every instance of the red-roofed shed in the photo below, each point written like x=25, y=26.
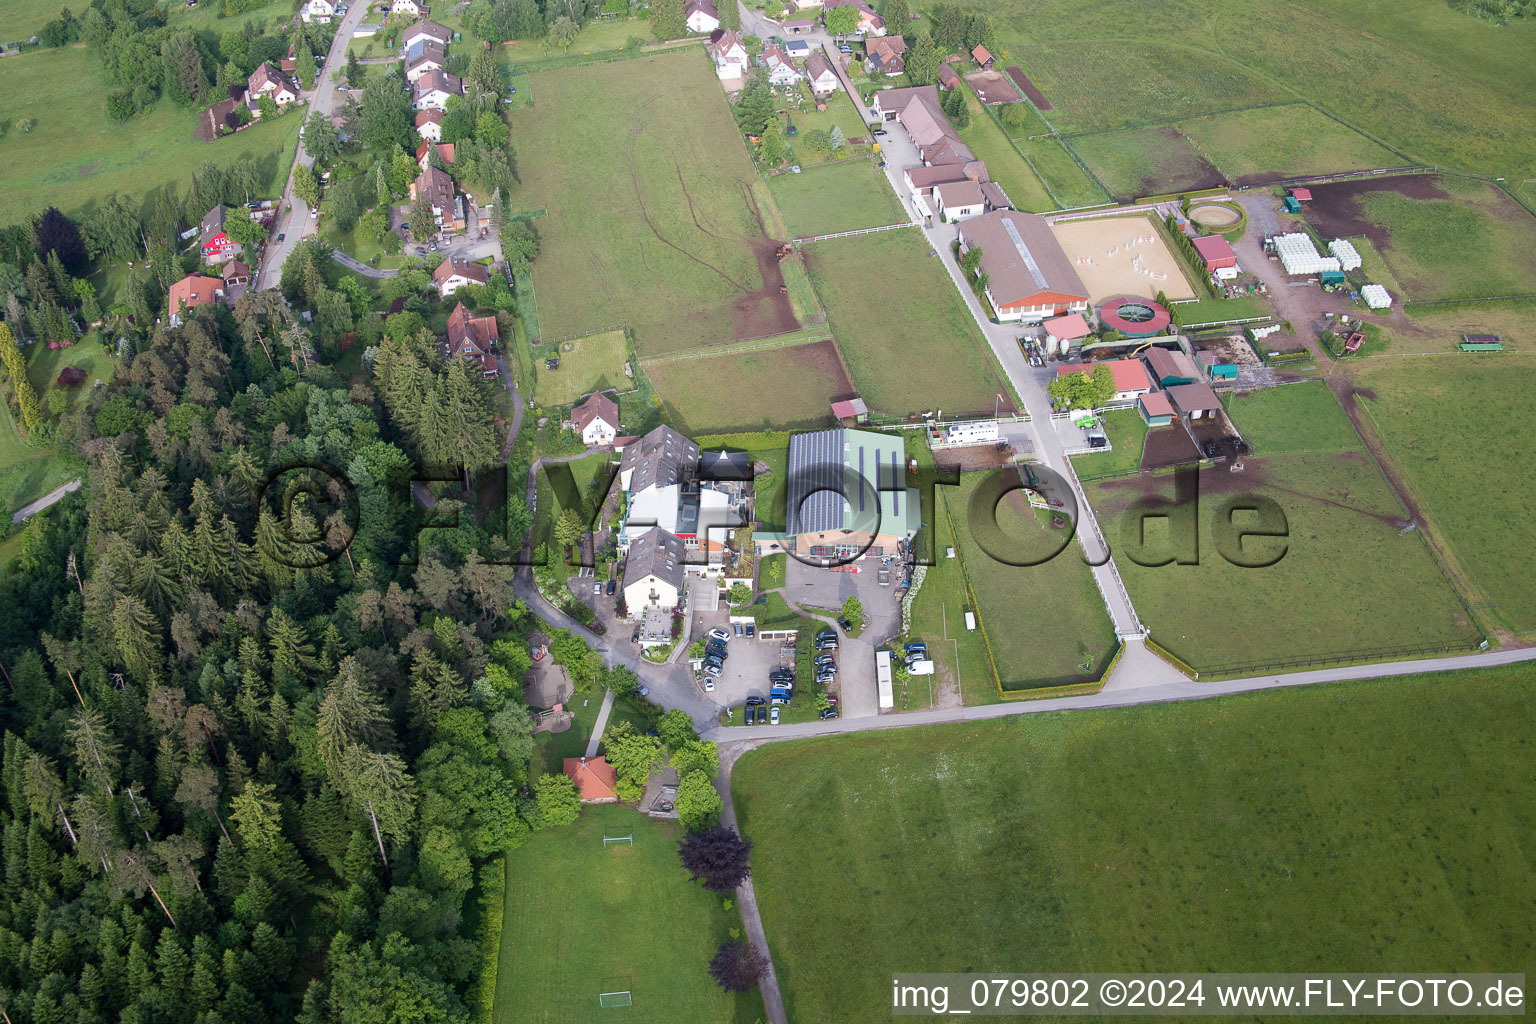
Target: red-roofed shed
x=1214, y=252
x=595, y=779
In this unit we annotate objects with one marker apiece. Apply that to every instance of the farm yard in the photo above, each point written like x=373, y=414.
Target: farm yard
x=1045, y=624
x=1122, y=256
x=782, y=386
x=660, y=229
x=583, y=917
x=907, y=338
x=1349, y=579
x=593, y=363
x=1223, y=832
x=835, y=197
x=1442, y=237
x=75, y=157
x=1472, y=480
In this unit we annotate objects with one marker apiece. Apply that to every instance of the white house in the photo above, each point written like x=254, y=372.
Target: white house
x=959, y=200
x=411, y=7
x=426, y=57
x=819, y=70
x=597, y=419
x=268, y=81
x=425, y=30
x=702, y=16
x=321, y=11
x=453, y=274
x=429, y=125
x=434, y=88
x=730, y=56
x=781, y=70
x=653, y=572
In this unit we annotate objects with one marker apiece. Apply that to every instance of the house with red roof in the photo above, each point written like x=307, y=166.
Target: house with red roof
x=1219, y=259
x=1130, y=377
x=268, y=81
x=596, y=419
x=454, y=273
x=471, y=337
x=215, y=244
x=429, y=125
x=596, y=780
x=192, y=290
x=870, y=23
x=983, y=58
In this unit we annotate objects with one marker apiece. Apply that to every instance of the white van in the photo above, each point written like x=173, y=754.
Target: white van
x=921, y=668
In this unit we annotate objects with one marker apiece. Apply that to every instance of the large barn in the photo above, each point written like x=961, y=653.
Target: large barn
x=1029, y=277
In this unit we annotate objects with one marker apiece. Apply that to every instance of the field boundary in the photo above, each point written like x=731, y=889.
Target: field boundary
x=1094, y=178
x=1138, y=125
x=857, y=231
x=792, y=339
x=1525, y=297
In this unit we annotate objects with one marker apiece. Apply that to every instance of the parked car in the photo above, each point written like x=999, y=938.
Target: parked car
x=922, y=667
x=634, y=637
x=751, y=715
x=713, y=670
x=847, y=626
x=827, y=713
x=643, y=690
x=280, y=236
x=751, y=629
x=778, y=698
x=754, y=702
x=916, y=645
x=597, y=588
x=822, y=634
x=611, y=585
x=720, y=634
x=432, y=245
x=773, y=716
x=709, y=686
x=829, y=644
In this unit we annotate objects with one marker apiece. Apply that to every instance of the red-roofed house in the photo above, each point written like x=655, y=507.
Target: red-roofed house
x=216, y=245
x=453, y=274
x=435, y=88
x=596, y=419
x=192, y=290
x=1217, y=255
x=472, y=338
x=983, y=58
x=429, y=125
x=729, y=54
x=1130, y=377
x=424, y=30
x=701, y=16
x=424, y=151
x=435, y=184
x=268, y=81
x=595, y=779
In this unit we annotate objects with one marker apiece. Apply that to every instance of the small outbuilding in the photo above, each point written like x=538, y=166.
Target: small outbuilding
x=1063, y=330
x=1171, y=368
x=1219, y=259
x=1196, y=401
x=595, y=779
x=852, y=409
x=1155, y=409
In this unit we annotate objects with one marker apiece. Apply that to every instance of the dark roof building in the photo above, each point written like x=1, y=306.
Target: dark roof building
x=661, y=458
x=1029, y=275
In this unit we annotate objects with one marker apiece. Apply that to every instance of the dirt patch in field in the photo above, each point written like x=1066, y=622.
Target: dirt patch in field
x=973, y=459
x=1029, y=89
x=1189, y=172
x=766, y=311
x=992, y=88
x=1337, y=209
x=1168, y=446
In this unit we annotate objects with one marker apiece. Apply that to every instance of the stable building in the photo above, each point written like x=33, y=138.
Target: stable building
x=1029, y=277
x=1155, y=409
x=1196, y=401
x=1217, y=256
x=1171, y=368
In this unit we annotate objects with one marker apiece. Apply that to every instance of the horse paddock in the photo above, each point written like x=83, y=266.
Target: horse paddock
x=1121, y=256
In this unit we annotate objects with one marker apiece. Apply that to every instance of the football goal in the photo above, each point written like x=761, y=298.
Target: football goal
x=611, y=840
x=610, y=1000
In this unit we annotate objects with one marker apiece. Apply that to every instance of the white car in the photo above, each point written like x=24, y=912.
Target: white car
x=709, y=686
x=773, y=715
x=723, y=635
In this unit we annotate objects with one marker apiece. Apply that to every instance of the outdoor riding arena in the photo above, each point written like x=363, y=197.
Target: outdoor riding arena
x=1212, y=215
x=1121, y=256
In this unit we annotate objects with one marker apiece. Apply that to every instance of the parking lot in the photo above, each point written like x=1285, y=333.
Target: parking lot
x=814, y=587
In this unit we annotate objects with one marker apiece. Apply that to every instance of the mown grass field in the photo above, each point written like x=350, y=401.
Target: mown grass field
x=938, y=618
x=583, y=918
x=785, y=387
x=1045, y=624
x=75, y=157
x=658, y=229
x=593, y=363
x=1004, y=165
x=1282, y=142
x=909, y=342
x=583, y=470
x=1291, y=830
x=27, y=471
x=1349, y=581
x=1453, y=427
x=1145, y=162
x=1127, y=433
x=44, y=365
x=21, y=18
x=836, y=197
x=1294, y=418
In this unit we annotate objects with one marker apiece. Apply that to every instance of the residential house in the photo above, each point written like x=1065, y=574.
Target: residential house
x=659, y=459
x=437, y=187
x=453, y=274
x=948, y=77
x=959, y=200
x=192, y=290
x=781, y=69
x=268, y=81
x=596, y=419
x=596, y=780
x=429, y=125
x=1029, y=277
x=425, y=30
x=215, y=244
x=1130, y=378
x=654, y=572
x=848, y=494
x=1171, y=368
x=425, y=150
x=429, y=56
x=883, y=55
x=434, y=88
x=701, y=16
x=983, y=58
x=728, y=53
x=870, y=23
x=472, y=338
x=235, y=273
x=321, y=11
x=412, y=7
x=823, y=79
x=1219, y=259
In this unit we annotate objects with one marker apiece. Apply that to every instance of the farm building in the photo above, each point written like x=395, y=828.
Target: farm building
x=1215, y=369
x=1029, y=277
x=1155, y=409
x=1134, y=318
x=1301, y=195
x=1344, y=250
x=1170, y=368
x=948, y=78
x=959, y=200
x=1219, y=259
x=1130, y=377
x=1376, y=296
x=1299, y=256
x=853, y=409
x=1061, y=332
x=848, y=494
x=1196, y=401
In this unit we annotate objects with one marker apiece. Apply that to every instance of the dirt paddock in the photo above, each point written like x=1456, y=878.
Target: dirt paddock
x=992, y=88
x=1121, y=256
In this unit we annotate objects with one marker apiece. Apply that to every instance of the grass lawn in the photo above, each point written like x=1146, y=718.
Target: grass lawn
x=772, y=570
x=1283, y=142
x=836, y=197
x=22, y=18
x=752, y=389
x=1127, y=432
x=807, y=119
x=659, y=228
x=1045, y=624
x=593, y=363
x=988, y=141
x=1145, y=162
x=909, y=342
x=1472, y=481
x=1350, y=581
x=1301, y=417
x=938, y=618
x=583, y=470
x=1291, y=830
x=1216, y=311
x=75, y=156
x=44, y=364
x=584, y=918
x=28, y=472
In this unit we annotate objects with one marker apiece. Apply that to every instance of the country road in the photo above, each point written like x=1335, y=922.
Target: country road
x=31, y=509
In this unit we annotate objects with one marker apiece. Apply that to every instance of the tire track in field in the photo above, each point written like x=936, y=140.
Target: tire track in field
x=634, y=179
